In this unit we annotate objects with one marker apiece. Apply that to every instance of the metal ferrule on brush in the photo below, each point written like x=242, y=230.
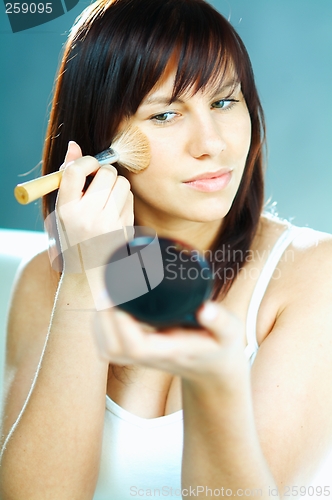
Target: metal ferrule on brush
x=107, y=156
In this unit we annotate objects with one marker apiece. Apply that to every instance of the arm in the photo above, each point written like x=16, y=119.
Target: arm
x=222, y=449
x=53, y=449
x=54, y=424
x=276, y=432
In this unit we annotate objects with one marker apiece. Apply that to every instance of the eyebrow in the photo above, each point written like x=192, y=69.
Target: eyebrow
x=161, y=99
x=230, y=84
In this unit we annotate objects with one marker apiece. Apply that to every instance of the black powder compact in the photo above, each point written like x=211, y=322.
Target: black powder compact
x=159, y=281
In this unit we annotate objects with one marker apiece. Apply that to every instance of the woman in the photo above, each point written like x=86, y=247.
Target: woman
x=254, y=420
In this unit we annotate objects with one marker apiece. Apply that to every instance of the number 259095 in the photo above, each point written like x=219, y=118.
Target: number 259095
x=28, y=8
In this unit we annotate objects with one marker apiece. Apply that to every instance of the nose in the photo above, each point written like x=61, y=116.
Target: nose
x=206, y=137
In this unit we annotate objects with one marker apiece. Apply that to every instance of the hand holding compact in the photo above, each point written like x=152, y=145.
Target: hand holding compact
x=213, y=355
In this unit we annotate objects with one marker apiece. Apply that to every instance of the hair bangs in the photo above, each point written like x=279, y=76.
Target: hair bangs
x=207, y=57
x=187, y=36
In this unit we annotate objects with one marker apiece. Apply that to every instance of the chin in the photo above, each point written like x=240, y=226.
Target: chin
x=209, y=212
x=211, y=216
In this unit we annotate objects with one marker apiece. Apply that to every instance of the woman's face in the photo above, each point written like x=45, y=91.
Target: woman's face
x=205, y=135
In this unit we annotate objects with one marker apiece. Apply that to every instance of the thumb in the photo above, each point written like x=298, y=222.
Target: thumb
x=218, y=320
x=73, y=153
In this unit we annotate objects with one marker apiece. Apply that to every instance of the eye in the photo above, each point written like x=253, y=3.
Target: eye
x=163, y=117
x=224, y=103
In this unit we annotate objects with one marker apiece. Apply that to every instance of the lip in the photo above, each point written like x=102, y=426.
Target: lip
x=210, y=175
x=211, y=182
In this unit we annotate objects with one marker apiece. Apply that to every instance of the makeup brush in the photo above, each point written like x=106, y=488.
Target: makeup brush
x=130, y=149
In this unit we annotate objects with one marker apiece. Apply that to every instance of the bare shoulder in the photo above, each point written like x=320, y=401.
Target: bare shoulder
x=302, y=278
x=308, y=258
x=31, y=305
x=28, y=321
x=301, y=288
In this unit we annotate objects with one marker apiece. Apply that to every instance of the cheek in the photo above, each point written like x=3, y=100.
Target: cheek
x=246, y=132
x=242, y=136
x=159, y=170
x=241, y=141
x=165, y=149
x=159, y=151
x=163, y=167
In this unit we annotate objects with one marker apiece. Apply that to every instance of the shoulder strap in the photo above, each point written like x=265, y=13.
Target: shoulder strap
x=260, y=288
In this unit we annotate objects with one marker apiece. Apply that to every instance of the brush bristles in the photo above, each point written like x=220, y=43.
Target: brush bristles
x=133, y=149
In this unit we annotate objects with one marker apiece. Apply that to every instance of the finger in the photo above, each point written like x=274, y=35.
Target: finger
x=73, y=153
x=118, y=197
x=105, y=176
x=221, y=322
x=74, y=178
x=121, y=191
x=101, y=187
x=181, y=344
x=127, y=213
x=155, y=349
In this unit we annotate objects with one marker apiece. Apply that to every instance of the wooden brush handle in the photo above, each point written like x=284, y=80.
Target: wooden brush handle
x=31, y=190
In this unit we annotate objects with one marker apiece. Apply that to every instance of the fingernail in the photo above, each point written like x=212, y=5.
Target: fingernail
x=209, y=312
x=110, y=167
x=65, y=165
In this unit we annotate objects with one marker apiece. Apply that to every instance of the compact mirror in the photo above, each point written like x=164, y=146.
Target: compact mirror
x=159, y=281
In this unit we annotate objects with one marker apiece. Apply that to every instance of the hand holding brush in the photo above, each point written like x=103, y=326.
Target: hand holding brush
x=130, y=149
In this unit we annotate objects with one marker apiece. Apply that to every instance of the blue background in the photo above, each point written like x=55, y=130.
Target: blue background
x=290, y=44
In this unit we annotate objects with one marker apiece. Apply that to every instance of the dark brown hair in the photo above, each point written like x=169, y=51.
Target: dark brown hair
x=116, y=53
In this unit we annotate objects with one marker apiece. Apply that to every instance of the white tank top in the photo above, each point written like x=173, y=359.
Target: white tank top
x=145, y=454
